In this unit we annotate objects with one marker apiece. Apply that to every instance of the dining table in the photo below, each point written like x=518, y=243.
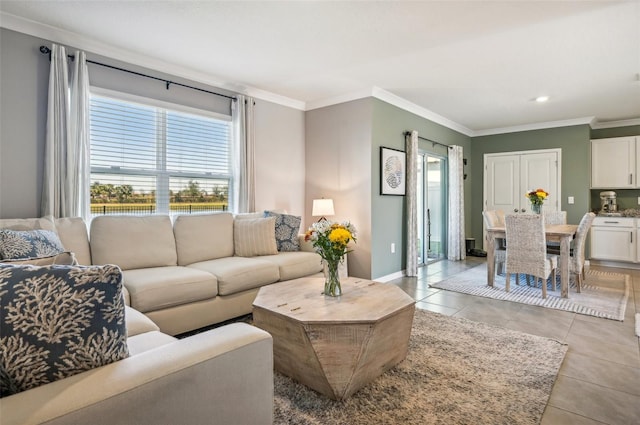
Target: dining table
x=562, y=233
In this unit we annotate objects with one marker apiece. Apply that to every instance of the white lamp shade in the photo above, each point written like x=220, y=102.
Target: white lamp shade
x=322, y=207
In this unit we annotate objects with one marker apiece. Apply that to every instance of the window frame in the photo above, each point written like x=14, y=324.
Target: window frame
x=161, y=175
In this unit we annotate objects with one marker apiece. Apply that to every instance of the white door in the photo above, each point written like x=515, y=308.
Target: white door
x=502, y=182
x=508, y=176
x=540, y=170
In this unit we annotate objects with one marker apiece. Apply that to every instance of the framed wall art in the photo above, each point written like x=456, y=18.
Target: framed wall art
x=393, y=171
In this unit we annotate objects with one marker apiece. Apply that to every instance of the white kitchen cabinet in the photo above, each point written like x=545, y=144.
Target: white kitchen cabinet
x=613, y=238
x=615, y=163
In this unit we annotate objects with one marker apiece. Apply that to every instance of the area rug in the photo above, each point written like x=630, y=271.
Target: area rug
x=604, y=294
x=456, y=372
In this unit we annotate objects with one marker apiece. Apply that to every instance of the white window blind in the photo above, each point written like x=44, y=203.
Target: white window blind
x=148, y=159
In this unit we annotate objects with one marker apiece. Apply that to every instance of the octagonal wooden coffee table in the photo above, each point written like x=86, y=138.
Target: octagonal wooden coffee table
x=335, y=345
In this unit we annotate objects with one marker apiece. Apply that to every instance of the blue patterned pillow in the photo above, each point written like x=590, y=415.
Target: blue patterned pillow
x=57, y=321
x=287, y=228
x=20, y=244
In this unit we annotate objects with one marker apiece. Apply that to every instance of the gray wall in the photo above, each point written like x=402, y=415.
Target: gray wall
x=343, y=163
x=338, y=166
x=576, y=169
x=24, y=71
x=23, y=113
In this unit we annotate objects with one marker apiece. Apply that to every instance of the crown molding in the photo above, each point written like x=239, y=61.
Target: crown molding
x=394, y=100
x=80, y=41
x=535, y=126
x=403, y=103
x=336, y=100
x=611, y=124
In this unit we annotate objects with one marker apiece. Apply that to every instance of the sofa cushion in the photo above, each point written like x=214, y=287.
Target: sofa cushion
x=57, y=321
x=287, y=229
x=75, y=238
x=253, y=237
x=161, y=287
x=133, y=242
x=203, y=237
x=251, y=215
x=237, y=274
x=148, y=341
x=293, y=265
x=138, y=323
x=23, y=244
x=62, y=259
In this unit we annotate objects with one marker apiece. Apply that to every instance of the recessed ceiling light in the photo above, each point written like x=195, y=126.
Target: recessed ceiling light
x=542, y=99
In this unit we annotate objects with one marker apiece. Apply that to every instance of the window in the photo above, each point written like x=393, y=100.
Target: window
x=147, y=158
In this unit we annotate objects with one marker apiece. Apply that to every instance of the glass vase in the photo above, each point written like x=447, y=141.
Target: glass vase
x=536, y=208
x=332, y=279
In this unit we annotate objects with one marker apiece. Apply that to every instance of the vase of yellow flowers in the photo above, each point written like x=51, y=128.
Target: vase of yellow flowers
x=537, y=197
x=330, y=240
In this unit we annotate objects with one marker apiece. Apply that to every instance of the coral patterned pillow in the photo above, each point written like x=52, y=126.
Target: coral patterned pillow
x=22, y=244
x=287, y=229
x=57, y=321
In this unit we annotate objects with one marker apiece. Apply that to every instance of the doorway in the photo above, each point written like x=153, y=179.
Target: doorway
x=432, y=207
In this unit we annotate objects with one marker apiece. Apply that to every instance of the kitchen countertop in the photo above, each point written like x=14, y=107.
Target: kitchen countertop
x=630, y=212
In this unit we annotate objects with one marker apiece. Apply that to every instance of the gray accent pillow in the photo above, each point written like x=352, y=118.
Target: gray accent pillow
x=57, y=321
x=23, y=244
x=287, y=228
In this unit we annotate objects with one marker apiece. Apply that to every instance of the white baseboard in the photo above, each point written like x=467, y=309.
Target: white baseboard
x=390, y=277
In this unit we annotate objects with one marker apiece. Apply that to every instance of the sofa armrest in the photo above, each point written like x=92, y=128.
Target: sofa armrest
x=224, y=375
x=305, y=245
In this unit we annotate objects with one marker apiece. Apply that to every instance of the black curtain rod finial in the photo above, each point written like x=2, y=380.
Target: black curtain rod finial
x=45, y=50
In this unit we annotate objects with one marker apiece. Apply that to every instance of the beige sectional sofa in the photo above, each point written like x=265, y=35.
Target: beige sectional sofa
x=224, y=376
x=185, y=275
x=178, y=277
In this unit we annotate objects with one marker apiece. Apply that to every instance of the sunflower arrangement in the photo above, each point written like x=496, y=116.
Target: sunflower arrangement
x=537, y=197
x=330, y=240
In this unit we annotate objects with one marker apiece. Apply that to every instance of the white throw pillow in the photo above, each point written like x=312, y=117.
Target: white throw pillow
x=255, y=236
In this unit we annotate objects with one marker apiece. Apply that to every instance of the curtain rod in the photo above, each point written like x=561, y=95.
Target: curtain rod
x=408, y=133
x=47, y=51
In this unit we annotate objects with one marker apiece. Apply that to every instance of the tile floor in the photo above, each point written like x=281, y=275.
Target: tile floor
x=599, y=381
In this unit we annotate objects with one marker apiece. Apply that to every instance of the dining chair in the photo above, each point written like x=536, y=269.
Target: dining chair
x=576, y=261
x=554, y=217
x=527, y=249
x=493, y=219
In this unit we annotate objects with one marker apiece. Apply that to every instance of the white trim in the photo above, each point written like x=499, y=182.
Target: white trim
x=611, y=124
x=402, y=103
x=390, y=277
x=148, y=101
x=80, y=41
x=347, y=97
x=535, y=126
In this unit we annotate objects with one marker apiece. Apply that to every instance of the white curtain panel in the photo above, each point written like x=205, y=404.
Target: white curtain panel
x=57, y=136
x=244, y=171
x=78, y=164
x=456, y=240
x=411, y=268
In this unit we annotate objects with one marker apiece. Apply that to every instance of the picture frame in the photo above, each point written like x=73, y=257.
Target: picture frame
x=393, y=171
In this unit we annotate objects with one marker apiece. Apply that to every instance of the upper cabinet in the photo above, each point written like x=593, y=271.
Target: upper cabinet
x=615, y=163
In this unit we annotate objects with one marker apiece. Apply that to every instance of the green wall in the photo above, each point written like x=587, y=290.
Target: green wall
x=388, y=219
x=576, y=169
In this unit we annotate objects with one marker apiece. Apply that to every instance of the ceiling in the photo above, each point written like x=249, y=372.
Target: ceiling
x=476, y=64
